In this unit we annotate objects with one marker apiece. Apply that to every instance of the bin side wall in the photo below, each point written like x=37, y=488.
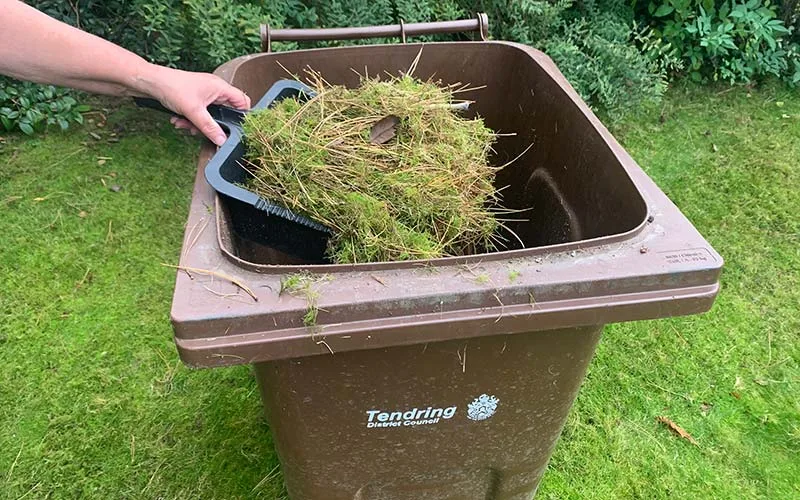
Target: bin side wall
x=496, y=447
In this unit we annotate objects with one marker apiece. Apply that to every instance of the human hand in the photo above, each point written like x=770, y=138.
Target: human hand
x=189, y=94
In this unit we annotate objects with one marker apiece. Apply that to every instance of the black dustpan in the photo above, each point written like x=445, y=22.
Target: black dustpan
x=253, y=217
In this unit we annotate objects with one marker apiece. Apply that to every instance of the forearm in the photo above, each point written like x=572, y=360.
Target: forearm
x=38, y=48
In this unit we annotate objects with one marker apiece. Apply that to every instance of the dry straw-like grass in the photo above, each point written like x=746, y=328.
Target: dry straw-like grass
x=427, y=191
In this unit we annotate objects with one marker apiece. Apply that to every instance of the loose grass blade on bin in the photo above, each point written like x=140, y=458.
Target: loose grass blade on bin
x=390, y=167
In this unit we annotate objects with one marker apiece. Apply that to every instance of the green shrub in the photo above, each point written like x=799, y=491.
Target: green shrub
x=604, y=66
x=30, y=108
x=199, y=34
x=592, y=41
x=530, y=22
x=789, y=13
x=729, y=41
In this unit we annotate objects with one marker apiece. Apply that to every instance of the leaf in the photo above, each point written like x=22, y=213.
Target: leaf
x=26, y=128
x=771, y=42
x=384, y=129
x=677, y=429
x=83, y=108
x=663, y=10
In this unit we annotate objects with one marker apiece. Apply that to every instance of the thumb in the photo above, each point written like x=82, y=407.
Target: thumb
x=207, y=126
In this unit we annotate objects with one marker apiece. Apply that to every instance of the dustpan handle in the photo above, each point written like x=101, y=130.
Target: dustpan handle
x=402, y=30
x=221, y=114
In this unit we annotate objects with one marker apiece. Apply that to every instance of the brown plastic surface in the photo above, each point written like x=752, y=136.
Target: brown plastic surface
x=317, y=409
x=602, y=244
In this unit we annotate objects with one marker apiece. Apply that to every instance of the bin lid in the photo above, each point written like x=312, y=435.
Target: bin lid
x=227, y=311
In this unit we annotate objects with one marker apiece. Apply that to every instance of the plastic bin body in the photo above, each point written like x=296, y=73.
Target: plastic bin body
x=319, y=411
x=413, y=346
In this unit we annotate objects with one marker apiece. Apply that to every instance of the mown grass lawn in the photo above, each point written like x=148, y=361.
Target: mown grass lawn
x=94, y=402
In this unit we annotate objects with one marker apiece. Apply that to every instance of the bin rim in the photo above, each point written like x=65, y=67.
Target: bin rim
x=662, y=267
x=228, y=72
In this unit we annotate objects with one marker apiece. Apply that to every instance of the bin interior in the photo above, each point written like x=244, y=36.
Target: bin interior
x=569, y=184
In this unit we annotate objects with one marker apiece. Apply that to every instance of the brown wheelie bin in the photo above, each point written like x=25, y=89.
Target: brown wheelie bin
x=452, y=378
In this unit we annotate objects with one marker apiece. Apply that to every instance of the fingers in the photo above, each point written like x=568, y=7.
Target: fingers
x=228, y=95
x=189, y=94
x=231, y=96
x=183, y=124
x=200, y=118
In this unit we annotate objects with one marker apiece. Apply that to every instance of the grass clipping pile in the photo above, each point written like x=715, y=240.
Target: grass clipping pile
x=391, y=167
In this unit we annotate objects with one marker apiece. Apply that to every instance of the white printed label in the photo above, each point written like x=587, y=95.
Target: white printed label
x=414, y=416
x=481, y=408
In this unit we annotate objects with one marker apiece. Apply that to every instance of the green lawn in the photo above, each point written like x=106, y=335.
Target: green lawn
x=94, y=402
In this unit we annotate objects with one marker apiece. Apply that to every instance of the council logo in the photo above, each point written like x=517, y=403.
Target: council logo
x=482, y=407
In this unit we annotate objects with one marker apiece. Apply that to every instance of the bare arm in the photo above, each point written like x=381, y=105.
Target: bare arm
x=38, y=48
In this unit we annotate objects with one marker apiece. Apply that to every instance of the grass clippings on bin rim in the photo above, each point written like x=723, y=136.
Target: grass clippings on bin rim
x=305, y=285
x=390, y=167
